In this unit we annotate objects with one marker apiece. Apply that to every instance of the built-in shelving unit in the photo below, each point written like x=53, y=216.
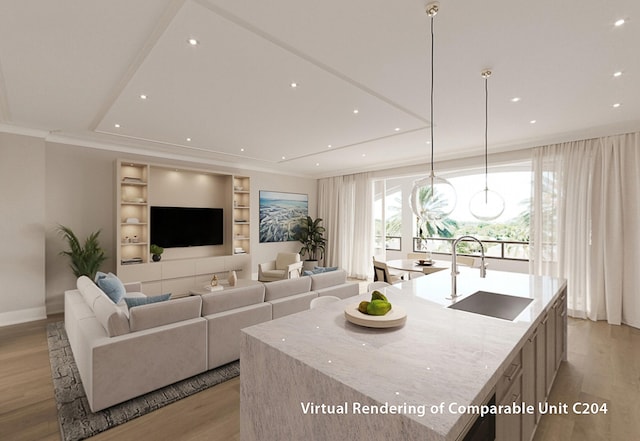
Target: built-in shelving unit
x=133, y=213
x=241, y=214
x=138, y=186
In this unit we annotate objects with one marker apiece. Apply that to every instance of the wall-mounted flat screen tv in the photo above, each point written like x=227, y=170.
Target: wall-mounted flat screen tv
x=173, y=227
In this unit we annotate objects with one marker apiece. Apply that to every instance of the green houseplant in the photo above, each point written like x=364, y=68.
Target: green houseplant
x=311, y=235
x=156, y=252
x=85, y=260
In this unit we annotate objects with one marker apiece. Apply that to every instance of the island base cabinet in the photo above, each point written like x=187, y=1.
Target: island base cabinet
x=509, y=426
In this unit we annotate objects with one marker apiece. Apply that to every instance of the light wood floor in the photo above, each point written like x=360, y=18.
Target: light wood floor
x=603, y=367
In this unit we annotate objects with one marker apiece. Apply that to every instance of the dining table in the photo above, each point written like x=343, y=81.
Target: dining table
x=413, y=265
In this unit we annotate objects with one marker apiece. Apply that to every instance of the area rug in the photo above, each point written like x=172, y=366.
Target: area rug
x=76, y=420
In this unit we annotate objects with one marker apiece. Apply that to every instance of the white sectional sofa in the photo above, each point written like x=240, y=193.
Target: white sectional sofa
x=123, y=353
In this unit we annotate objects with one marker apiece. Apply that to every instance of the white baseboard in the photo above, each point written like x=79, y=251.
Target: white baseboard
x=22, y=316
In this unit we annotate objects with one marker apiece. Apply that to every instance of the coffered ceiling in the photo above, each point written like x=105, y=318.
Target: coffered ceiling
x=123, y=74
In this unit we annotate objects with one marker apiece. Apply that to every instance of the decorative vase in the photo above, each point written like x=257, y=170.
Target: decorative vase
x=233, y=278
x=214, y=280
x=156, y=257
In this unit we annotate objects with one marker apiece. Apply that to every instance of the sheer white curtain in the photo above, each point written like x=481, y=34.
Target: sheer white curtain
x=345, y=203
x=585, y=224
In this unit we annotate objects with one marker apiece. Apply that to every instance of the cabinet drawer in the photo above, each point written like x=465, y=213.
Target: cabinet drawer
x=178, y=268
x=509, y=426
x=509, y=377
x=141, y=272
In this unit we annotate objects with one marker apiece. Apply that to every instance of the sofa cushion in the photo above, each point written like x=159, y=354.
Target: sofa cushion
x=164, y=313
x=285, y=288
x=111, y=286
x=111, y=317
x=139, y=301
x=342, y=291
x=232, y=298
x=327, y=279
x=89, y=290
x=277, y=274
x=292, y=304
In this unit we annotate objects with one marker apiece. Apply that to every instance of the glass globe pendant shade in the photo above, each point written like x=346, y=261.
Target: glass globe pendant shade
x=486, y=205
x=432, y=198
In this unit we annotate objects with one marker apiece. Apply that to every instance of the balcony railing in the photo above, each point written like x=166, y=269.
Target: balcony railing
x=494, y=248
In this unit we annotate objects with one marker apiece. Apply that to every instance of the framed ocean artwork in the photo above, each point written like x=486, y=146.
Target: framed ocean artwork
x=280, y=214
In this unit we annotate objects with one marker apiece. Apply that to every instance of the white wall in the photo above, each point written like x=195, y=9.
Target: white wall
x=22, y=254
x=80, y=194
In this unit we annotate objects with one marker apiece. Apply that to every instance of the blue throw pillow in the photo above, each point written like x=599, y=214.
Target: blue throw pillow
x=99, y=275
x=307, y=273
x=138, y=301
x=112, y=287
x=324, y=269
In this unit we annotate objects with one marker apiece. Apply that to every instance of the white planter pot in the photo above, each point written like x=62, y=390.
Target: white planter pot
x=309, y=265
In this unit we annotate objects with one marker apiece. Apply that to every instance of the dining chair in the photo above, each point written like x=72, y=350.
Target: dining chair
x=381, y=272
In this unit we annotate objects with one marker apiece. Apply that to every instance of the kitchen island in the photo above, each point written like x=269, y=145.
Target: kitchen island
x=316, y=376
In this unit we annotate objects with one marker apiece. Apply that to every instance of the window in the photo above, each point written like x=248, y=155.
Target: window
x=388, y=216
x=505, y=237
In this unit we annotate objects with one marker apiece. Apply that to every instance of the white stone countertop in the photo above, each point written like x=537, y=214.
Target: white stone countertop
x=439, y=356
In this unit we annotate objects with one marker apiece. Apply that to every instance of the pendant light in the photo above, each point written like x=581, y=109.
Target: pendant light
x=432, y=197
x=486, y=204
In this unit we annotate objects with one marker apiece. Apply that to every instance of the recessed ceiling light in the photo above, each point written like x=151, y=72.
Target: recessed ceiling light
x=188, y=139
x=329, y=146
x=193, y=42
x=533, y=121
x=616, y=105
x=242, y=150
x=293, y=85
x=284, y=157
x=364, y=154
x=428, y=142
x=619, y=22
x=617, y=74
x=397, y=129
x=515, y=99
x=143, y=96
x=116, y=125
x=317, y=164
x=356, y=111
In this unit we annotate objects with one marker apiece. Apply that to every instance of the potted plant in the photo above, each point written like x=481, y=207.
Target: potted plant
x=85, y=260
x=311, y=235
x=156, y=252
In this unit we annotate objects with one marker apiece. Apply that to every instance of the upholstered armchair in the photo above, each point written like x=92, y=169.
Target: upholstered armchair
x=286, y=266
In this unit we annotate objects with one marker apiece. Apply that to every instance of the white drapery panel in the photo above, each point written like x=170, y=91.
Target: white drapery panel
x=585, y=224
x=345, y=203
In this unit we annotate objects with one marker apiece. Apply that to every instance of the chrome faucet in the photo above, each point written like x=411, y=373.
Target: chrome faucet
x=454, y=265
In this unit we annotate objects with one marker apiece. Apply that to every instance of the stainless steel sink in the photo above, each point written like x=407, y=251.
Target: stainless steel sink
x=494, y=305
